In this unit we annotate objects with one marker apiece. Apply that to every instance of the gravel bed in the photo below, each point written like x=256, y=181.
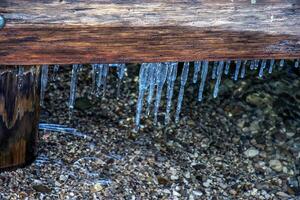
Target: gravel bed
x=243, y=145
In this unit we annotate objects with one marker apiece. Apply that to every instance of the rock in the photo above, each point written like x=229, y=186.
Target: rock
x=282, y=194
x=290, y=134
x=176, y=193
x=187, y=175
x=96, y=188
x=261, y=99
x=63, y=178
x=83, y=103
x=39, y=187
x=174, y=177
x=162, y=181
x=252, y=152
x=276, y=165
x=197, y=193
x=207, y=183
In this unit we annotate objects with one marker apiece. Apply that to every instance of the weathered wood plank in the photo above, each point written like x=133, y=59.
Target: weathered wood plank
x=108, y=31
x=19, y=116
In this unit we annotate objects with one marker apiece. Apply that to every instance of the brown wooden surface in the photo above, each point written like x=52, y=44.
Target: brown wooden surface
x=109, y=31
x=19, y=117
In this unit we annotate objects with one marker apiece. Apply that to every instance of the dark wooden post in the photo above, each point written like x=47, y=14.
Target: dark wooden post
x=19, y=115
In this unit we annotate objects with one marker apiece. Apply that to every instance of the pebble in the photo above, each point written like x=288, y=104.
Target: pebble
x=276, y=165
x=97, y=188
x=252, y=152
x=207, y=183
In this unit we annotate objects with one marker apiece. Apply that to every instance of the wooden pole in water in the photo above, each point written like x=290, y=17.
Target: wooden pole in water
x=19, y=115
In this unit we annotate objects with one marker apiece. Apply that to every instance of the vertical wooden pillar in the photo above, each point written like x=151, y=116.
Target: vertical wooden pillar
x=19, y=115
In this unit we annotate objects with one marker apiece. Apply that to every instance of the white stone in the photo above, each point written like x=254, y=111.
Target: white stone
x=251, y=152
x=276, y=165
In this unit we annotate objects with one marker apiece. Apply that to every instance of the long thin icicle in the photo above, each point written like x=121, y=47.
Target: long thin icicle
x=197, y=68
x=104, y=78
x=184, y=76
x=172, y=74
x=161, y=79
x=214, y=70
x=252, y=64
x=203, y=79
x=243, y=72
x=153, y=74
x=44, y=81
x=227, y=67
x=272, y=62
x=281, y=63
x=237, y=69
x=262, y=68
x=143, y=85
x=73, y=85
x=121, y=73
x=297, y=63
x=220, y=72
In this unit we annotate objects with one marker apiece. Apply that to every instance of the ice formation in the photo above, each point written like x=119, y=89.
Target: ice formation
x=157, y=78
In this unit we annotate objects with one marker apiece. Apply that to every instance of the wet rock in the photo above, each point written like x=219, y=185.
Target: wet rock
x=97, y=188
x=250, y=153
x=276, y=165
x=162, y=181
x=83, y=103
x=207, y=183
x=39, y=187
x=260, y=99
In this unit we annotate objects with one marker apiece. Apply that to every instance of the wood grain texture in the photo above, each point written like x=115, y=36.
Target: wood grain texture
x=109, y=31
x=19, y=116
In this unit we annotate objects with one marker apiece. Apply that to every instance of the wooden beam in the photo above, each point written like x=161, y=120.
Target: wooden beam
x=110, y=31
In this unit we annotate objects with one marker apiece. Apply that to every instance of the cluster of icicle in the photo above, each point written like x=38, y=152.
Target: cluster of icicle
x=99, y=76
x=154, y=76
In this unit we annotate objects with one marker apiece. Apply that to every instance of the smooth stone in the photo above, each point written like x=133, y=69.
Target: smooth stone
x=207, y=183
x=276, y=165
x=97, y=187
x=252, y=152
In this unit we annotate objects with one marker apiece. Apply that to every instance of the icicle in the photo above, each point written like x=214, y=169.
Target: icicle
x=121, y=73
x=243, y=72
x=227, y=67
x=256, y=64
x=161, y=79
x=237, y=69
x=153, y=73
x=262, y=67
x=214, y=70
x=172, y=74
x=203, y=79
x=220, y=72
x=281, y=63
x=184, y=76
x=197, y=68
x=297, y=63
x=272, y=62
x=73, y=86
x=94, y=77
x=252, y=64
x=99, y=73
x=44, y=81
x=105, y=69
x=143, y=84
